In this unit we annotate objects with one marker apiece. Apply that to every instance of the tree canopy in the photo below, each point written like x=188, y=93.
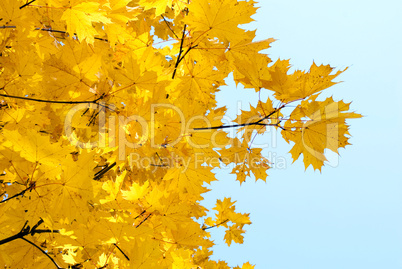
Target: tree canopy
x=110, y=129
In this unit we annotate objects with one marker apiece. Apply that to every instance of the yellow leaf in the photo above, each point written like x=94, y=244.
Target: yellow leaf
x=79, y=19
x=37, y=148
x=318, y=125
x=102, y=260
x=300, y=84
x=234, y=234
x=136, y=191
x=159, y=5
x=70, y=257
x=220, y=18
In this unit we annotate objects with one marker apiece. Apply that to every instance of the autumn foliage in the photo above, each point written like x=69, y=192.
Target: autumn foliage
x=109, y=128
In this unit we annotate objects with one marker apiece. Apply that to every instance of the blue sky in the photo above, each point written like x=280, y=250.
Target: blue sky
x=348, y=216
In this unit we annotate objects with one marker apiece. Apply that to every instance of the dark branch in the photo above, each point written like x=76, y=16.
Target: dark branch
x=36, y=226
x=11, y=238
x=180, y=52
x=26, y=230
x=100, y=173
x=42, y=231
x=143, y=221
x=187, y=51
x=140, y=214
x=15, y=195
x=64, y=32
x=122, y=252
x=233, y=126
x=28, y=3
x=259, y=122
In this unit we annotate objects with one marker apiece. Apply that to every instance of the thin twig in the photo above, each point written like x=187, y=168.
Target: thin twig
x=51, y=101
x=216, y=225
x=143, y=221
x=44, y=252
x=140, y=214
x=30, y=2
x=259, y=122
x=122, y=252
x=64, y=32
x=187, y=51
x=168, y=25
x=49, y=30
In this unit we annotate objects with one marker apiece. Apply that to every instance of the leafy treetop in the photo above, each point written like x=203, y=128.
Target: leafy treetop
x=110, y=128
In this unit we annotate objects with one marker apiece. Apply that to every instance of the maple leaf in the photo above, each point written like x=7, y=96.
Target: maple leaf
x=319, y=125
x=246, y=265
x=234, y=234
x=79, y=18
x=35, y=149
x=135, y=192
x=75, y=188
x=220, y=18
x=300, y=84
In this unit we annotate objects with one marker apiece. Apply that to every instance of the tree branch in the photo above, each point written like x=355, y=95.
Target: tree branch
x=64, y=32
x=143, y=221
x=15, y=195
x=26, y=230
x=49, y=30
x=28, y=3
x=121, y=251
x=180, y=52
x=52, y=101
x=259, y=122
x=187, y=51
x=216, y=225
x=140, y=214
x=100, y=173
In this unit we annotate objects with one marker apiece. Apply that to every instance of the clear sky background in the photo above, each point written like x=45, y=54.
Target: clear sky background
x=348, y=216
